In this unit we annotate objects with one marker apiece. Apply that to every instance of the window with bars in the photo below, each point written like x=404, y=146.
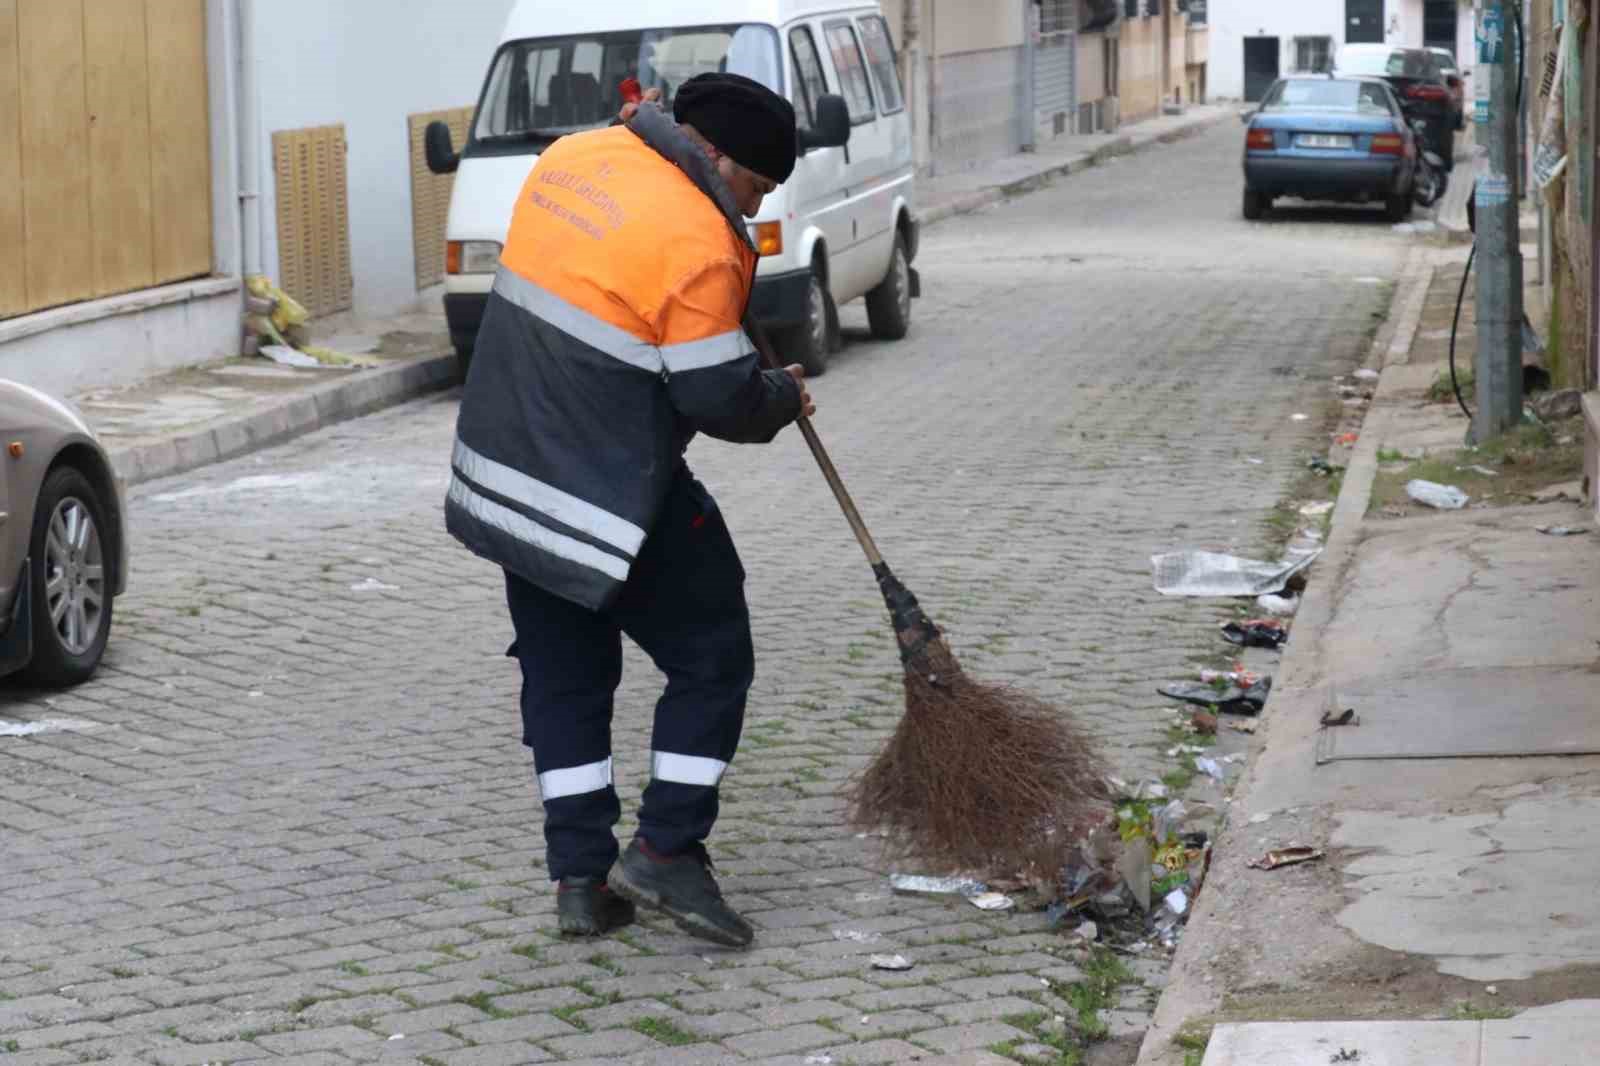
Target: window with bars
x=1313, y=55
x=1055, y=16
x=1131, y=8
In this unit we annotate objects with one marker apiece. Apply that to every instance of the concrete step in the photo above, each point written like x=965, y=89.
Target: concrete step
x=1537, y=1041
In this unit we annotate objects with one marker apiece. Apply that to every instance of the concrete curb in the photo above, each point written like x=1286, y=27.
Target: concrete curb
x=1128, y=144
x=358, y=393
x=1189, y=992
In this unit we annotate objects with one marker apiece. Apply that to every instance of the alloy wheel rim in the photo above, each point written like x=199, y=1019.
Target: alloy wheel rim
x=819, y=317
x=902, y=284
x=74, y=576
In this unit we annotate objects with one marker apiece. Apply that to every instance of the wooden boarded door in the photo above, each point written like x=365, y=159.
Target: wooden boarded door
x=430, y=193
x=108, y=189
x=313, y=218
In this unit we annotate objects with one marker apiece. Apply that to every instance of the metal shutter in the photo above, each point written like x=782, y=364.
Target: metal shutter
x=1055, y=60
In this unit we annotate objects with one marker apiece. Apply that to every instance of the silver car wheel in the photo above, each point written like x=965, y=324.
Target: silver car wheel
x=75, y=576
x=902, y=283
x=817, y=315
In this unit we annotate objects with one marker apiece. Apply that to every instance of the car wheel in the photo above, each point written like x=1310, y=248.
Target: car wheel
x=1255, y=204
x=463, y=362
x=810, y=343
x=889, y=305
x=72, y=556
x=1398, y=208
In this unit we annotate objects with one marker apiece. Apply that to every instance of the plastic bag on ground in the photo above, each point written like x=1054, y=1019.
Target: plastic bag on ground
x=1229, y=699
x=1433, y=494
x=1255, y=633
x=1193, y=573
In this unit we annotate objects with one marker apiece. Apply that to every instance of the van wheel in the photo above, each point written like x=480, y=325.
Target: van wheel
x=810, y=343
x=889, y=305
x=72, y=557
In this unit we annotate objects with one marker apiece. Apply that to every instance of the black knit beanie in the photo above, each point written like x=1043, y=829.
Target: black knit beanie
x=745, y=120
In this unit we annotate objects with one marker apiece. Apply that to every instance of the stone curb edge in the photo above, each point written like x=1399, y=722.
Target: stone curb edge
x=358, y=393
x=1125, y=145
x=1187, y=994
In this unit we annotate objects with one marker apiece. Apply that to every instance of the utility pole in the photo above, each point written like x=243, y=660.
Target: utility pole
x=1498, y=364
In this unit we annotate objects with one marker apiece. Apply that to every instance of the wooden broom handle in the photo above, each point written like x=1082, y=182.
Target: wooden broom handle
x=819, y=453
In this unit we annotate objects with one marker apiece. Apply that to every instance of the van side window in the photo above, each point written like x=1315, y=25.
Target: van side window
x=852, y=70
x=810, y=83
x=880, y=54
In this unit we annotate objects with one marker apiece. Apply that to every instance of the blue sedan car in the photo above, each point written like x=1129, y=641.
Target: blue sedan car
x=1330, y=138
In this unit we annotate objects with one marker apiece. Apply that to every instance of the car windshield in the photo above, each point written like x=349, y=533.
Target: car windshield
x=1397, y=63
x=546, y=87
x=1326, y=95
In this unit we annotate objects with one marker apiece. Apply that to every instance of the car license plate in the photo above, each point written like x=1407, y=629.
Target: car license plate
x=1323, y=140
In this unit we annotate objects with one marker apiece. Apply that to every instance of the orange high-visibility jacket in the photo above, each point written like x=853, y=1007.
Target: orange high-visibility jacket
x=611, y=336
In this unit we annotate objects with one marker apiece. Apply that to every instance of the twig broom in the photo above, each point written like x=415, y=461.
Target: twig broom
x=977, y=776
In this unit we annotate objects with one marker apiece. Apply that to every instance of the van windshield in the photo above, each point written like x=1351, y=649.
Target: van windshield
x=542, y=88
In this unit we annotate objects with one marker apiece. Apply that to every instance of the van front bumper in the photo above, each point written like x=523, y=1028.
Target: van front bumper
x=779, y=300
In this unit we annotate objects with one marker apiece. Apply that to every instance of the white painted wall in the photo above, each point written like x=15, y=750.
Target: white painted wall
x=368, y=64
x=1234, y=20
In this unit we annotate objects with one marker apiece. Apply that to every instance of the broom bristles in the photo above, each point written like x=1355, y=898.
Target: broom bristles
x=979, y=777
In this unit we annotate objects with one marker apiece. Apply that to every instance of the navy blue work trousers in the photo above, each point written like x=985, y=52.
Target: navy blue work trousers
x=684, y=605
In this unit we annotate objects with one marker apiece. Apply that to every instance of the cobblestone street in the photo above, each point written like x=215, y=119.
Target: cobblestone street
x=302, y=829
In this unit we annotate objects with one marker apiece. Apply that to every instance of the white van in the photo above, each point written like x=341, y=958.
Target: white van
x=843, y=226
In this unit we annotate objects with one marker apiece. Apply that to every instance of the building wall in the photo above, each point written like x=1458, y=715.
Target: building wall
x=367, y=64
x=1234, y=20
x=979, y=64
x=1091, y=67
x=1141, y=80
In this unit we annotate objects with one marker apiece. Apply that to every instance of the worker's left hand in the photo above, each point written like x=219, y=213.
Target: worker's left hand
x=798, y=372
x=651, y=96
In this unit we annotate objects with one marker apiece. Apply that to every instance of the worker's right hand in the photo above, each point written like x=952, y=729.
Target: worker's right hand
x=651, y=96
x=796, y=371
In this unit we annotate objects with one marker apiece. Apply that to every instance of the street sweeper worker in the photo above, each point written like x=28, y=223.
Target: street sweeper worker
x=611, y=337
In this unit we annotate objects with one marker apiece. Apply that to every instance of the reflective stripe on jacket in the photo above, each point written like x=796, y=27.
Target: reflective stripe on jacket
x=611, y=336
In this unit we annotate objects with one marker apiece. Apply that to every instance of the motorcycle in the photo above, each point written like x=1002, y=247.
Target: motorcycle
x=1432, y=179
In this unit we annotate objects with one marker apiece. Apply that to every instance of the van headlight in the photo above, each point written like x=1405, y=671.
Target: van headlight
x=472, y=257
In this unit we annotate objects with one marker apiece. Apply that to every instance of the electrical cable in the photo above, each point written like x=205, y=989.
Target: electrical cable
x=1455, y=385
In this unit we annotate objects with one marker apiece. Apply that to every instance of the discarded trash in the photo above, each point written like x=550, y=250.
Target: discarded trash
x=1561, y=531
x=1166, y=821
x=1177, y=901
x=372, y=584
x=1482, y=471
x=937, y=886
x=1347, y=718
x=1088, y=931
x=1196, y=573
x=1256, y=462
x=1257, y=819
x=45, y=725
x=1227, y=698
x=856, y=936
x=1237, y=676
x=1492, y=990
x=1433, y=494
x=1321, y=466
x=993, y=901
x=1282, y=606
x=891, y=962
x=1255, y=633
x=821, y=1058
x=1367, y=374
x=1242, y=727
x=1134, y=866
x=1346, y=1055
x=1290, y=856
x=1316, y=510
x=1211, y=768
x=397, y=1036
x=1558, y=405
x=283, y=355
x=1347, y=440
x=1205, y=723
x=1299, y=417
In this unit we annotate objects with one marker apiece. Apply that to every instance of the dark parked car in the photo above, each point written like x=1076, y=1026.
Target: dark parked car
x=1329, y=138
x=63, y=552
x=1415, y=77
x=1456, y=80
